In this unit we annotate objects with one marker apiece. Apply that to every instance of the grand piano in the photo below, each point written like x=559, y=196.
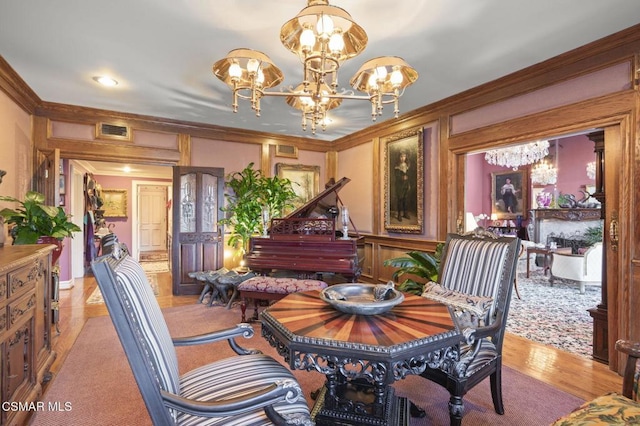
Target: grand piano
x=306, y=242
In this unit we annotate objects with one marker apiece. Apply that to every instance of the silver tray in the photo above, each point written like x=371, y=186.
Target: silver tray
x=359, y=298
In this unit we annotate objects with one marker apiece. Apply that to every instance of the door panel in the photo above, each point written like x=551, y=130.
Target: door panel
x=197, y=243
x=152, y=228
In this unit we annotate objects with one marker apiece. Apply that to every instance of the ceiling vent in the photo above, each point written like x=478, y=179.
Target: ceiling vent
x=113, y=131
x=290, y=151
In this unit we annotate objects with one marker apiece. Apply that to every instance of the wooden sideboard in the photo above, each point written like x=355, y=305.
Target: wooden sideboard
x=25, y=328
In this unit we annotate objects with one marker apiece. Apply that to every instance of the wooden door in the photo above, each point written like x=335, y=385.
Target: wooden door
x=48, y=176
x=152, y=224
x=197, y=236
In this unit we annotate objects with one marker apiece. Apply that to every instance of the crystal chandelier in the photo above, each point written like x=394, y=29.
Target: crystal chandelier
x=519, y=155
x=323, y=37
x=544, y=173
x=591, y=170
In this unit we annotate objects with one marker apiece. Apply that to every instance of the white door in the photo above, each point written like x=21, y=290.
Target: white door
x=152, y=224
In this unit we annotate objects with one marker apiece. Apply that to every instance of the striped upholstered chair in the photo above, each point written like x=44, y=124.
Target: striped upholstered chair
x=251, y=388
x=476, y=280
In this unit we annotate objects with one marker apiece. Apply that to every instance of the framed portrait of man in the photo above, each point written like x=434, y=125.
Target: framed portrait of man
x=403, y=182
x=509, y=194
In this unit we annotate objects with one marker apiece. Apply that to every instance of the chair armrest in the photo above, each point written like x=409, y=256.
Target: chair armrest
x=241, y=330
x=632, y=349
x=278, y=391
x=486, y=331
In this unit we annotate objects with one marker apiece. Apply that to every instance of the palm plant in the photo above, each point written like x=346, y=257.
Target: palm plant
x=416, y=264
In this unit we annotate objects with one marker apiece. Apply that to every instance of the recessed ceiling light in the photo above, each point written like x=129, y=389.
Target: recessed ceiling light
x=105, y=80
x=126, y=169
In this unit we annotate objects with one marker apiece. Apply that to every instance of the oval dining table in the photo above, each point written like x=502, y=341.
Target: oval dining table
x=361, y=355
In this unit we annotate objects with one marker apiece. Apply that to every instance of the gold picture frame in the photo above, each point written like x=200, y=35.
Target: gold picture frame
x=509, y=194
x=305, y=180
x=114, y=202
x=403, y=182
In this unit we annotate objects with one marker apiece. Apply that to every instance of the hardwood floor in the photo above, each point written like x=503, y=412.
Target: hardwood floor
x=576, y=375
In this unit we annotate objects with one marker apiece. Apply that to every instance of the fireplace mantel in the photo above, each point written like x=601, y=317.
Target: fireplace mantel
x=545, y=221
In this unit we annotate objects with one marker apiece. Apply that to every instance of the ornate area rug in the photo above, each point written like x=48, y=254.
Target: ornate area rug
x=97, y=383
x=555, y=316
x=155, y=267
x=153, y=256
x=96, y=295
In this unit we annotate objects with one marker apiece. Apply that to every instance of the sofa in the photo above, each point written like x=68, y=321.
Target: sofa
x=585, y=269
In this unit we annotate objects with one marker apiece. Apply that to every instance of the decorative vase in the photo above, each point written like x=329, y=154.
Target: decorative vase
x=55, y=255
x=543, y=200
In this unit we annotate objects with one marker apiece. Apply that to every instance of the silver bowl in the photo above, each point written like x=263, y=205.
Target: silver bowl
x=359, y=299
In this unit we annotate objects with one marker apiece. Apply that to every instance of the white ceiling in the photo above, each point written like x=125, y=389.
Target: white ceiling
x=161, y=51
x=103, y=168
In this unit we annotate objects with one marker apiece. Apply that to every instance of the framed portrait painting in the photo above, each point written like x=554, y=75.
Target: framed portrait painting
x=509, y=194
x=115, y=202
x=305, y=180
x=403, y=182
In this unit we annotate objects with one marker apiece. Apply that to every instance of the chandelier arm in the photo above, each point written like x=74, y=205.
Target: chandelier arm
x=330, y=96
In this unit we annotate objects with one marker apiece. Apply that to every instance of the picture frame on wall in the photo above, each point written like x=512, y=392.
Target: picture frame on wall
x=114, y=202
x=403, y=184
x=305, y=181
x=509, y=194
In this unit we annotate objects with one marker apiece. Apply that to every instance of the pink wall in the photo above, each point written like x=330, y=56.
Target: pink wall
x=573, y=155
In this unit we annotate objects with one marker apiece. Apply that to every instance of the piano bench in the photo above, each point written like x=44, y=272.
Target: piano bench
x=272, y=288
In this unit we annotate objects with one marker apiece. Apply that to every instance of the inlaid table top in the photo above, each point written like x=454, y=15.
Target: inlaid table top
x=303, y=322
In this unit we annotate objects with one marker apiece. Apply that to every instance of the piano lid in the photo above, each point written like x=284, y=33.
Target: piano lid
x=320, y=204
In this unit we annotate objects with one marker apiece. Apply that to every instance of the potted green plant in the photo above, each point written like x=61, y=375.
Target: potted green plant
x=251, y=193
x=416, y=264
x=35, y=222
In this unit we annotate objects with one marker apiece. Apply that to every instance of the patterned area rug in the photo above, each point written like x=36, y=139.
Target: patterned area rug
x=151, y=256
x=155, y=267
x=555, y=316
x=96, y=296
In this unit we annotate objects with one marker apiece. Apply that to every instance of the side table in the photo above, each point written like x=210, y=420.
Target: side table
x=547, y=254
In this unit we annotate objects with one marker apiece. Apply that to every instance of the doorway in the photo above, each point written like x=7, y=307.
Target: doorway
x=151, y=213
x=580, y=175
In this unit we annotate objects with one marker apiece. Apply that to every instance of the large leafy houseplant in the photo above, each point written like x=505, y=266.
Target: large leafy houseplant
x=33, y=219
x=249, y=192
x=420, y=267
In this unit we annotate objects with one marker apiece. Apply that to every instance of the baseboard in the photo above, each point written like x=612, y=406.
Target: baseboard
x=67, y=285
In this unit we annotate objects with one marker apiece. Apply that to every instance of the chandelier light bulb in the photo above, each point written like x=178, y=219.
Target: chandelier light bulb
x=307, y=39
x=260, y=76
x=253, y=65
x=235, y=71
x=381, y=73
x=396, y=78
x=373, y=82
x=336, y=43
x=324, y=27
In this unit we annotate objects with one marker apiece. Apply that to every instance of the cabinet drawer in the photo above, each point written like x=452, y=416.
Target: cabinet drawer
x=21, y=309
x=4, y=319
x=25, y=278
x=4, y=288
